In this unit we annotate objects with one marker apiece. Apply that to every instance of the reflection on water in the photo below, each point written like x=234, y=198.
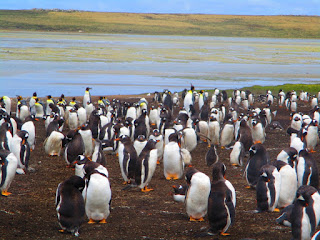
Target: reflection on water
x=132, y=64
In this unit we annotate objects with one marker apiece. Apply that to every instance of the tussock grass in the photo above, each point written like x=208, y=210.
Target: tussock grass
x=162, y=24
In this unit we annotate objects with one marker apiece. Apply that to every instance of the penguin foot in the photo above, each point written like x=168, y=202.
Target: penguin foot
x=276, y=210
x=224, y=234
x=103, y=221
x=234, y=164
x=248, y=187
x=191, y=219
x=158, y=162
x=5, y=193
x=91, y=221
x=146, y=189
x=223, y=147
x=172, y=177
x=257, y=142
x=117, y=154
x=61, y=230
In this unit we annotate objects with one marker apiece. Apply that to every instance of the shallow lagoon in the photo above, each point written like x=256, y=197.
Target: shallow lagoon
x=55, y=63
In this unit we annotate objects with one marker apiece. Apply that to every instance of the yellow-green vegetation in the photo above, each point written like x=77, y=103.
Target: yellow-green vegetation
x=310, y=88
x=162, y=24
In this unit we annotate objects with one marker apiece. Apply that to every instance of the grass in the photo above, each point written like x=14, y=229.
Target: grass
x=162, y=24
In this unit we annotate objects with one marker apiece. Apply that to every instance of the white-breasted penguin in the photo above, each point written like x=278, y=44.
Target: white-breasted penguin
x=88, y=141
x=73, y=121
x=307, y=170
x=227, y=134
x=268, y=188
x=258, y=158
x=156, y=135
x=140, y=143
x=86, y=97
x=8, y=167
x=311, y=135
x=189, y=139
x=54, y=143
x=28, y=126
x=237, y=154
x=70, y=204
x=97, y=193
x=20, y=148
x=305, y=213
x=98, y=155
x=74, y=147
x=258, y=131
x=5, y=135
x=211, y=155
x=196, y=200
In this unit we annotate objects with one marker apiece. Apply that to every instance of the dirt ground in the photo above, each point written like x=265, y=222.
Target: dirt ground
x=29, y=213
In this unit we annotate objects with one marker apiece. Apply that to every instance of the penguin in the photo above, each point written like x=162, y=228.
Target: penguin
x=179, y=194
x=188, y=99
x=7, y=103
x=296, y=123
x=23, y=110
x=196, y=200
x=305, y=212
x=154, y=117
x=258, y=158
x=39, y=108
x=54, y=143
x=296, y=141
x=28, y=126
x=86, y=135
x=55, y=125
x=146, y=165
x=245, y=135
x=49, y=119
x=86, y=97
x=97, y=193
x=98, y=155
x=227, y=134
x=140, y=143
x=203, y=130
x=20, y=148
x=214, y=130
x=189, y=139
x=211, y=155
x=173, y=164
x=81, y=113
x=80, y=162
x=311, y=135
x=268, y=188
x=285, y=217
x=127, y=156
x=258, y=131
x=159, y=145
x=288, y=155
x=5, y=135
x=289, y=183
x=89, y=107
x=70, y=204
x=73, y=121
x=316, y=236
x=237, y=154
x=74, y=147
x=307, y=170
x=8, y=167
x=221, y=202
x=94, y=123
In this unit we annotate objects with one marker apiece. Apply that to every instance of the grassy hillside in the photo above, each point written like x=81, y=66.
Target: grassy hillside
x=162, y=24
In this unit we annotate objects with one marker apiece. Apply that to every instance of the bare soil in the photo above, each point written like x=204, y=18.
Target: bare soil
x=29, y=212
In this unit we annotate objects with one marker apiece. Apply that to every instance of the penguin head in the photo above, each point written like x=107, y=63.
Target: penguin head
x=76, y=181
x=189, y=174
x=151, y=144
x=257, y=148
x=304, y=195
x=218, y=171
x=180, y=189
x=156, y=132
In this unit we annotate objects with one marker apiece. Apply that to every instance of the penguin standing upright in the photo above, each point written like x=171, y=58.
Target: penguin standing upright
x=173, y=164
x=5, y=135
x=30, y=128
x=127, y=158
x=39, y=108
x=307, y=170
x=311, y=135
x=73, y=121
x=156, y=135
x=214, y=130
x=97, y=193
x=245, y=135
x=268, y=188
x=288, y=155
x=86, y=97
x=146, y=165
x=237, y=154
x=189, y=139
x=8, y=167
x=74, y=147
x=258, y=158
x=48, y=102
x=70, y=204
x=211, y=155
x=197, y=194
x=227, y=134
x=7, y=104
x=305, y=214
x=20, y=148
x=86, y=135
x=94, y=123
x=188, y=99
x=98, y=155
x=221, y=202
x=258, y=131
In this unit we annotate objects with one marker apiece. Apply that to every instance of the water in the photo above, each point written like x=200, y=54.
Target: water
x=55, y=63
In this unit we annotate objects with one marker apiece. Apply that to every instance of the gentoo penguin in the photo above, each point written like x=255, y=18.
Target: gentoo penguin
x=258, y=131
x=28, y=126
x=70, y=204
x=285, y=217
x=79, y=165
x=289, y=182
x=227, y=134
x=296, y=141
x=154, y=117
x=221, y=202
x=307, y=170
x=127, y=156
x=55, y=125
x=211, y=155
x=7, y=104
x=179, y=192
x=81, y=113
x=20, y=148
x=74, y=147
x=305, y=213
x=98, y=155
x=156, y=135
x=173, y=164
x=237, y=154
x=139, y=144
x=89, y=107
x=296, y=123
x=214, y=130
x=5, y=135
x=245, y=135
x=288, y=155
x=88, y=142
x=73, y=121
x=97, y=193
x=54, y=143
x=189, y=139
x=203, y=130
x=196, y=200
x=8, y=163
x=86, y=97
x=268, y=188
x=311, y=135
x=94, y=123
x=258, y=158
x=146, y=165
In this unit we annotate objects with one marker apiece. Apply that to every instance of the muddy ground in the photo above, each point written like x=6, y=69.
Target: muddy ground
x=29, y=213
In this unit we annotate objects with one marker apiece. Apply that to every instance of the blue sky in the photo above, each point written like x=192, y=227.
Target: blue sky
x=242, y=7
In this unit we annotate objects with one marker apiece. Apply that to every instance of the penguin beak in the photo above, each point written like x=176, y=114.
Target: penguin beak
x=157, y=140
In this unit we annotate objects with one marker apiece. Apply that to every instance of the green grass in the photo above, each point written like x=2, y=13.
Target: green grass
x=162, y=24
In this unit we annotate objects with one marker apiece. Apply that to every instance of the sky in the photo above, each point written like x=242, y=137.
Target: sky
x=239, y=7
